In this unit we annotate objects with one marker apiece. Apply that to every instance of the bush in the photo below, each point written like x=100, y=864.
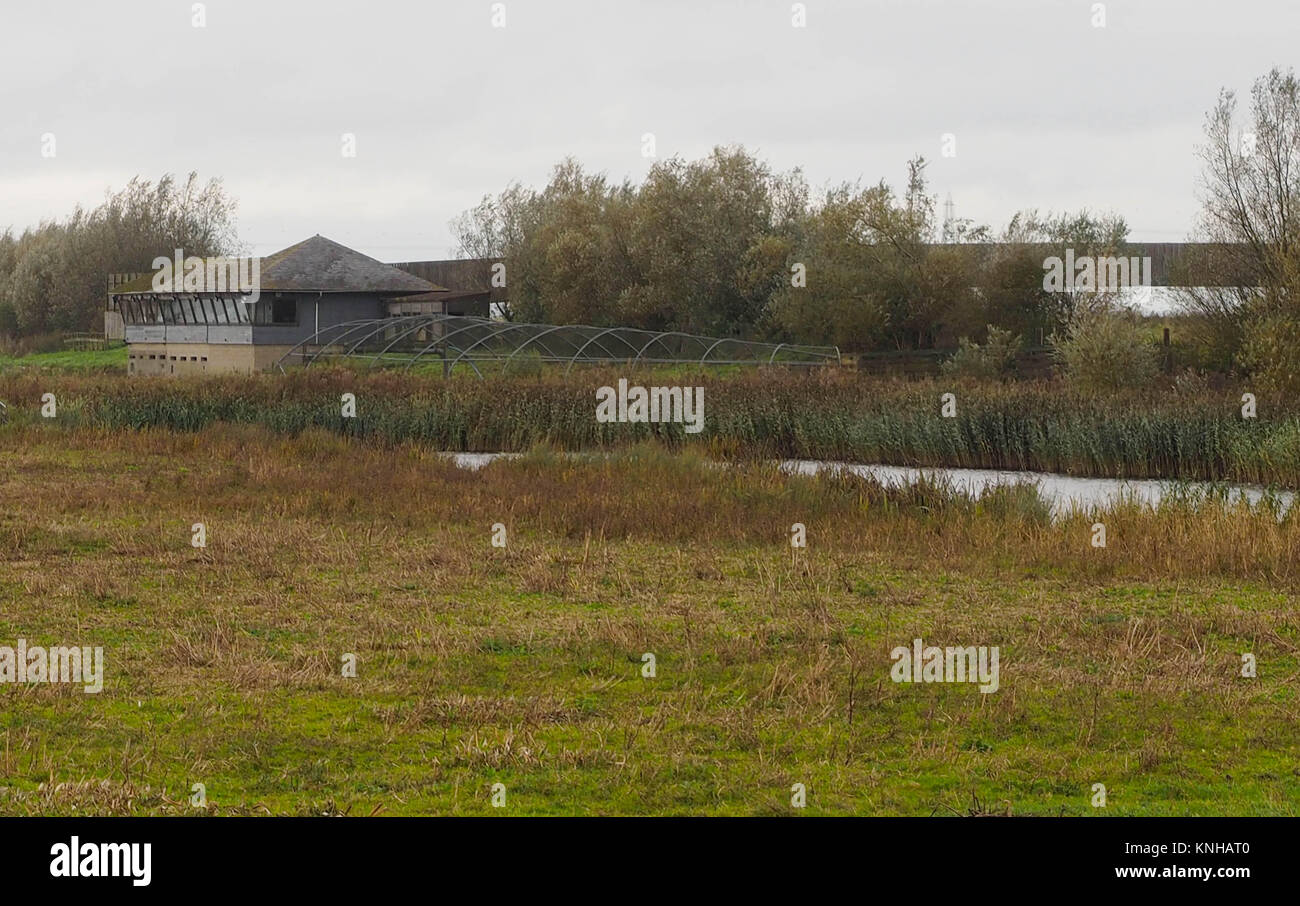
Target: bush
x=1105, y=349
x=994, y=359
x=1271, y=351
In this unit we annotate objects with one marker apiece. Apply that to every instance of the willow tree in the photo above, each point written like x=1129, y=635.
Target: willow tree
x=1250, y=212
x=52, y=277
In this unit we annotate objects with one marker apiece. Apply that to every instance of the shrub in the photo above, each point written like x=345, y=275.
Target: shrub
x=994, y=359
x=1104, y=349
x=1271, y=351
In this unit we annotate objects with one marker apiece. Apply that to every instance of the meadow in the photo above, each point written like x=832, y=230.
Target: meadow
x=524, y=665
x=110, y=360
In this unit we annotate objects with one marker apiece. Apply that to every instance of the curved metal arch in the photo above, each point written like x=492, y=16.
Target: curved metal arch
x=491, y=336
x=716, y=344
x=340, y=338
x=384, y=324
x=444, y=320
x=658, y=338
x=422, y=322
x=445, y=337
x=596, y=340
x=478, y=324
x=356, y=339
x=533, y=339
x=280, y=361
x=447, y=319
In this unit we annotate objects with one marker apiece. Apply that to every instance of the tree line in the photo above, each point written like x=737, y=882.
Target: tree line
x=727, y=246
x=53, y=277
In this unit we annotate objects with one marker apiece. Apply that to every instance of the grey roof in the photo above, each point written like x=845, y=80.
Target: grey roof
x=315, y=265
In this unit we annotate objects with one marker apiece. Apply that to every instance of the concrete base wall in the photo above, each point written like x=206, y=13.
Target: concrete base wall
x=179, y=359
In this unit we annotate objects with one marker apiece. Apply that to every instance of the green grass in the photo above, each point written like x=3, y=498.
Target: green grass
x=522, y=666
x=68, y=361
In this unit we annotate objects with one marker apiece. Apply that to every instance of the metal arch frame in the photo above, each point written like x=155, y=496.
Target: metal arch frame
x=533, y=339
x=658, y=338
x=491, y=336
x=348, y=340
x=422, y=321
x=596, y=339
x=385, y=324
x=716, y=344
x=293, y=349
x=444, y=338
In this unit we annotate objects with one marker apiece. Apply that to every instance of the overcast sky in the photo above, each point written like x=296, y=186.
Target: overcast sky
x=1047, y=110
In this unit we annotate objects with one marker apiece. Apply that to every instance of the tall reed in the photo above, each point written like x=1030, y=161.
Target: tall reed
x=1038, y=427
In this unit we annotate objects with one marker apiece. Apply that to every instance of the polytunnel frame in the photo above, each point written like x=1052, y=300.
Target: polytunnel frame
x=347, y=339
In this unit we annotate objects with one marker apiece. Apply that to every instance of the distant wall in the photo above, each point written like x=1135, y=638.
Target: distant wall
x=473, y=274
x=114, y=329
x=1172, y=263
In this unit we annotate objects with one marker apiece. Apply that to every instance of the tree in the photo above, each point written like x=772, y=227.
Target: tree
x=1250, y=212
x=54, y=275
x=874, y=278
x=1105, y=349
x=709, y=243
x=698, y=247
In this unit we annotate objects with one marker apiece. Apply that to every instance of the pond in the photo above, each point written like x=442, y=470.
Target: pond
x=1063, y=493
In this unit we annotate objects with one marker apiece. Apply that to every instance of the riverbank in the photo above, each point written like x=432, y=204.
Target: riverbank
x=1165, y=432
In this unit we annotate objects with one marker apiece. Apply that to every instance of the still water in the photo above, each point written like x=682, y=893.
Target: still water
x=1063, y=493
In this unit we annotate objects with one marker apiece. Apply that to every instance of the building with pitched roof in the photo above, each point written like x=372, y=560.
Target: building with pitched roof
x=197, y=322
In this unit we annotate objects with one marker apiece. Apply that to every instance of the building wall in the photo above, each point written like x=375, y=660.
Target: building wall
x=322, y=310
x=473, y=274
x=179, y=349
x=180, y=359
x=189, y=333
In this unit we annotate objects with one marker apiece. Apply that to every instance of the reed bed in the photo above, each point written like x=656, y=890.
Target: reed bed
x=648, y=493
x=1156, y=433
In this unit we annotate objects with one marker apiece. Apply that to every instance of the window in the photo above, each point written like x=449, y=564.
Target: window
x=284, y=311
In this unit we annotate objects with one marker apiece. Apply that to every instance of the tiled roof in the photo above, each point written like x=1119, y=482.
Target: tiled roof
x=315, y=265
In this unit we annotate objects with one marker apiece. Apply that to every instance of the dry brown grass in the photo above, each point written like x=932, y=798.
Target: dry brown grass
x=522, y=665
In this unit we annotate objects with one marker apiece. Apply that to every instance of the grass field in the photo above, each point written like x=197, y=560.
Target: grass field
x=522, y=665
x=69, y=361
